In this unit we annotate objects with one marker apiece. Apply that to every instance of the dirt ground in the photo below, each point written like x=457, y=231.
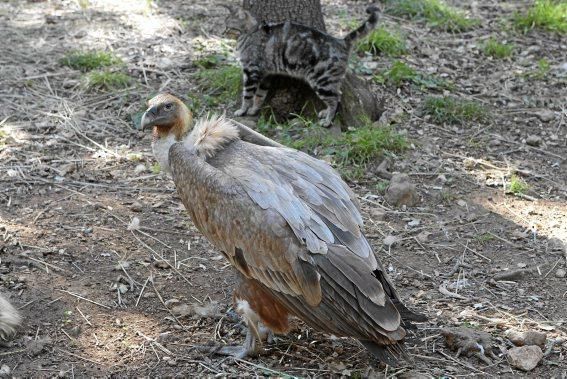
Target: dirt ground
x=113, y=279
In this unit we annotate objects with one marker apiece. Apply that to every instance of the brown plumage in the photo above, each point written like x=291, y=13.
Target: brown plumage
x=290, y=226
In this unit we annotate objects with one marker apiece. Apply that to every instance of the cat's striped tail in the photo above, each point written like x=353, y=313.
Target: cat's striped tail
x=365, y=28
x=9, y=319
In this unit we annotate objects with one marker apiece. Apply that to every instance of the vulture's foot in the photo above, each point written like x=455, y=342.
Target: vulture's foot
x=249, y=349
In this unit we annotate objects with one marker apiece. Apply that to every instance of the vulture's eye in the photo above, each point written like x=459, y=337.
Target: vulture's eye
x=168, y=107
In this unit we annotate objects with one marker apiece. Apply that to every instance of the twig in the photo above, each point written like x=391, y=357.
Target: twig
x=84, y=298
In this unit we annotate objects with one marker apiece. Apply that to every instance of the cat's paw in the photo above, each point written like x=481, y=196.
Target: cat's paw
x=253, y=111
x=241, y=112
x=324, y=119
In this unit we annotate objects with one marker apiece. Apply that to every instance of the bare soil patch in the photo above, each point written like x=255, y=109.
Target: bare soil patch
x=97, y=251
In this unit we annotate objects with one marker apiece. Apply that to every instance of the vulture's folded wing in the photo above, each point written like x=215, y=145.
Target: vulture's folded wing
x=290, y=222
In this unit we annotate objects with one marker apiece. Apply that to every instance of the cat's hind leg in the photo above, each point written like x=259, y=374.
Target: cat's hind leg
x=251, y=79
x=331, y=99
x=259, y=97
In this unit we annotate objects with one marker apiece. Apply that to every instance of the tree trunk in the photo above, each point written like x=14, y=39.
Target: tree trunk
x=291, y=96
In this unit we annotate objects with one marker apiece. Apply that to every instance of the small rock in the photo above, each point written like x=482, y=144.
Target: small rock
x=161, y=264
x=134, y=224
x=182, y=310
x=35, y=347
x=137, y=207
x=390, y=240
x=545, y=115
x=208, y=310
x=555, y=244
x=560, y=273
x=401, y=191
x=525, y=358
x=377, y=214
x=533, y=140
x=122, y=265
x=139, y=169
x=527, y=338
x=461, y=203
x=171, y=302
x=75, y=331
x=5, y=371
x=414, y=222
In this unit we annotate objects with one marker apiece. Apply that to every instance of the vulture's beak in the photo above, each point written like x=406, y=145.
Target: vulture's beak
x=150, y=118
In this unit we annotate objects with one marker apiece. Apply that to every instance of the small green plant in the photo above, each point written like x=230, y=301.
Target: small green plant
x=484, y=238
x=3, y=137
x=447, y=196
x=381, y=186
x=156, y=168
x=517, y=186
x=543, y=68
x=550, y=15
x=351, y=151
x=209, y=61
x=89, y=60
x=106, y=80
x=435, y=12
x=381, y=41
x=496, y=49
x=454, y=111
x=400, y=73
x=220, y=84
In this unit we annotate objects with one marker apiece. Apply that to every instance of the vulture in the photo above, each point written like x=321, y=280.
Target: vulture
x=289, y=225
x=9, y=319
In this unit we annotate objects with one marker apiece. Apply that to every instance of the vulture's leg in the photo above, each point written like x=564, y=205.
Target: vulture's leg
x=248, y=349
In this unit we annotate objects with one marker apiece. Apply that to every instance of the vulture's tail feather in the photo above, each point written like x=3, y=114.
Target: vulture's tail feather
x=388, y=354
x=407, y=315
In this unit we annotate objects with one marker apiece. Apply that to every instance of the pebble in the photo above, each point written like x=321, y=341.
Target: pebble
x=527, y=338
x=377, y=214
x=139, y=168
x=137, y=207
x=401, y=191
x=545, y=115
x=560, y=273
x=5, y=371
x=525, y=358
x=533, y=140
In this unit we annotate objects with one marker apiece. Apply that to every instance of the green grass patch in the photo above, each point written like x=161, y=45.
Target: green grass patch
x=351, y=151
x=547, y=15
x=495, y=49
x=484, y=238
x=3, y=137
x=400, y=73
x=517, y=186
x=454, y=111
x=434, y=12
x=106, y=80
x=381, y=41
x=89, y=60
x=156, y=168
x=219, y=85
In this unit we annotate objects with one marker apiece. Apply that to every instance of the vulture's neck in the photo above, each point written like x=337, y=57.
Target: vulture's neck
x=211, y=134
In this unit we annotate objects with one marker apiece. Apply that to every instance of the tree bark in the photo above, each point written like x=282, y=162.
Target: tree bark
x=292, y=96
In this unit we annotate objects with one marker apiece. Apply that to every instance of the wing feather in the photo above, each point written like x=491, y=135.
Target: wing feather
x=297, y=226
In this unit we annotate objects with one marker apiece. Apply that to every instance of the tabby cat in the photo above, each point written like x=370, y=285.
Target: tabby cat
x=294, y=50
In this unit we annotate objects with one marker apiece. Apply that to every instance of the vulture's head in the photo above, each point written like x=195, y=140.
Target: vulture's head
x=170, y=121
